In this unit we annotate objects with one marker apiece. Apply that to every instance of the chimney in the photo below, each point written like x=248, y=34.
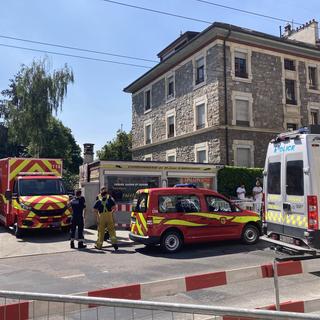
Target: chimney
x=307, y=33
x=287, y=30
x=88, y=152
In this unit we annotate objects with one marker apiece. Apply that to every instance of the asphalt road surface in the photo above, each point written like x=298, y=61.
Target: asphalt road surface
x=43, y=262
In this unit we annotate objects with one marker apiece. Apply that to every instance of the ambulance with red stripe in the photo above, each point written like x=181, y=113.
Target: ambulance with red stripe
x=186, y=214
x=32, y=195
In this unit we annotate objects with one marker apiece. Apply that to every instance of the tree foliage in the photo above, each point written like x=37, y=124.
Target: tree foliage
x=117, y=149
x=33, y=96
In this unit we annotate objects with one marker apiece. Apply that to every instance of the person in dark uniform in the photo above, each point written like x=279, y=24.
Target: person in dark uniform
x=104, y=209
x=78, y=205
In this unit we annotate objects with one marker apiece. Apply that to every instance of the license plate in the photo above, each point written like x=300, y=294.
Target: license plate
x=287, y=239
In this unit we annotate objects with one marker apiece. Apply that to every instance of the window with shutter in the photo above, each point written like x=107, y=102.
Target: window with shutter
x=242, y=113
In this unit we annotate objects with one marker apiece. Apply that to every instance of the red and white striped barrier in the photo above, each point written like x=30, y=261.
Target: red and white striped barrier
x=147, y=290
x=126, y=207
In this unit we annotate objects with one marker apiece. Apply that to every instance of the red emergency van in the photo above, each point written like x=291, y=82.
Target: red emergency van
x=174, y=216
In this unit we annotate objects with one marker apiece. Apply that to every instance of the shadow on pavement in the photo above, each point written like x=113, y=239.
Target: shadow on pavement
x=204, y=250
x=44, y=236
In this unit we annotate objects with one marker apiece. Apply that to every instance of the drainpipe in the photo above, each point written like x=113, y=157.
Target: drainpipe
x=226, y=94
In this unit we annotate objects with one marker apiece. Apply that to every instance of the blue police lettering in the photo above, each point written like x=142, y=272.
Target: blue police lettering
x=282, y=149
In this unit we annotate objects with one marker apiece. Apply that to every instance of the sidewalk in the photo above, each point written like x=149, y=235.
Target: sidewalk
x=44, y=242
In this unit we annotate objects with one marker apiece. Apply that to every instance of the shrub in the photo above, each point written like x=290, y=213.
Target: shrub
x=230, y=178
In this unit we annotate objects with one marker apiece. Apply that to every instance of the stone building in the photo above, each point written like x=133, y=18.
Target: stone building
x=221, y=95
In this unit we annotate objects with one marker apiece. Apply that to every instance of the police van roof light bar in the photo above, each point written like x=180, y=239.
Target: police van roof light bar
x=291, y=134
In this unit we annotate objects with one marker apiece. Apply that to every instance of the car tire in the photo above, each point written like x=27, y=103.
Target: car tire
x=250, y=234
x=171, y=241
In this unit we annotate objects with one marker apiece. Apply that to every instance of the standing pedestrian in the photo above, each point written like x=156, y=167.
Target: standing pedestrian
x=104, y=208
x=78, y=205
x=241, y=193
x=257, y=196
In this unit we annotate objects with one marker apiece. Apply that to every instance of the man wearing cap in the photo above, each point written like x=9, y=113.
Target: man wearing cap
x=78, y=205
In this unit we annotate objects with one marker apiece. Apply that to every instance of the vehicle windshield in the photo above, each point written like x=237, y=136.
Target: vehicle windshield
x=38, y=187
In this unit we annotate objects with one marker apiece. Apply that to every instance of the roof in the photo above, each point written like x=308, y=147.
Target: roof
x=220, y=30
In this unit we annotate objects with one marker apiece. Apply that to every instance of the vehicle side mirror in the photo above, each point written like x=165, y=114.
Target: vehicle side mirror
x=8, y=195
x=286, y=206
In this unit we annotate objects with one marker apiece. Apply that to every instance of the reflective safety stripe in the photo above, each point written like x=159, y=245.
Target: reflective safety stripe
x=295, y=220
x=143, y=220
x=274, y=216
x=139, y=229
x=157, y=220
x=245, y=219
x=177, y=222
x=215, y=216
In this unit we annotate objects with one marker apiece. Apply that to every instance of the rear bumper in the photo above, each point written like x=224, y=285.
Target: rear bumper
x=311, y=238
x=144, y=239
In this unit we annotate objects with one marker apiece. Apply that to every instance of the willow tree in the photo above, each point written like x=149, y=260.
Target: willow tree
x=33, y=96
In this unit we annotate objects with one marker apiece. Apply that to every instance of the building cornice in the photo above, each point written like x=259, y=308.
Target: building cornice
x=206, y=130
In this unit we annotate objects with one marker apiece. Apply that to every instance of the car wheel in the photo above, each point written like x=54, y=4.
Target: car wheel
x=250, y=234
x=171, y=241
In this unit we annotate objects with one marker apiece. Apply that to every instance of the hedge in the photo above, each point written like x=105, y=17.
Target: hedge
x=230, y=178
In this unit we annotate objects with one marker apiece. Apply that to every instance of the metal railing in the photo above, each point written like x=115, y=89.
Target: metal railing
x=88, y=308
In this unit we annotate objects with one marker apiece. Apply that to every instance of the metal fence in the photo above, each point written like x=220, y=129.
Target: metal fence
x=54, y=307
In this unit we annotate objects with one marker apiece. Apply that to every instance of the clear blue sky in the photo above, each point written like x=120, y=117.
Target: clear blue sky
x=96, y=106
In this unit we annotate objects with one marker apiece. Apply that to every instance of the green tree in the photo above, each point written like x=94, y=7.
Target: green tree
x=60, y=143
x=117, y=149
x=33, y=96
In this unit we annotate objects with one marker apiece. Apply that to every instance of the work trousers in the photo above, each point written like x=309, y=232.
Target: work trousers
x=106, y=222
x=77, y=222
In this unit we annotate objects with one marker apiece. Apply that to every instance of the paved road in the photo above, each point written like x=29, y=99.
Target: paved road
x=57, y=269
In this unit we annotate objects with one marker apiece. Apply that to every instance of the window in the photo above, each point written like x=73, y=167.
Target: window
x=147, y=100
x=274, y=178
x=148, y=157
x=139, y=203
x=201, y=152
x=170, y=87
x=289, y=65
x=199, y=70
x=242, y=112
x=243, y=157
x=290, y=92
x=295, y=184
x=171, y=155
x=148, y=133
x=200, y=116
x=217, y=204
x=240, y=64
x=179, y=204
x=170, y=126
x=313, y=78
x=314, y=116
x=291, y=126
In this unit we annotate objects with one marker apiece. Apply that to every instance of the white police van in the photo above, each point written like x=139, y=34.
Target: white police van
x=292, y=189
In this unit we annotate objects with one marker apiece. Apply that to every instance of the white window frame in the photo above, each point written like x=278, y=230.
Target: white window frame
x=239, y=95
x=246, y=51
x=197, y=102
x=201, y=147
x=146, y=124
x=194, y=64
x=170, y=113
x=168, y=76
x=243, y=144
x=144, y=99
x=147, y=156
x=170, y=153
x=317, y=90
x=313, y=106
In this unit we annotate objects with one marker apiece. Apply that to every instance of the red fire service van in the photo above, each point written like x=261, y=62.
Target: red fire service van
x=184, y=214
x=32, y=194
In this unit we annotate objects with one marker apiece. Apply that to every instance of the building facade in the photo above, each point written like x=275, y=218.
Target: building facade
x=221, y=95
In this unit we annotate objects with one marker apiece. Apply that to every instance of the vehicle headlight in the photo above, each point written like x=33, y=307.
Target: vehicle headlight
x=25, y=207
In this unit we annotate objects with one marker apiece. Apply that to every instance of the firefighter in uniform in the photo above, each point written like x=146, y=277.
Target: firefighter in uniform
x=99, y=197
x=104, y=208
x=78, y=205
